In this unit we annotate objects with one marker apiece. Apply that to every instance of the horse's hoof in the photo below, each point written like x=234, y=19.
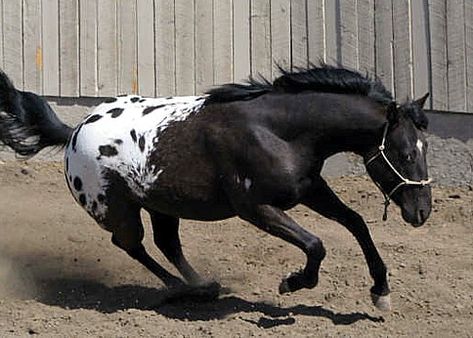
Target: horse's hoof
x=382, y=303
x=284, y=287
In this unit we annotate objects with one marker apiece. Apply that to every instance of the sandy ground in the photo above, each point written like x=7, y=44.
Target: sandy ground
x=61, y=276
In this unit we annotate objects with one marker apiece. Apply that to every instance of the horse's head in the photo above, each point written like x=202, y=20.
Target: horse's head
x=398, y=163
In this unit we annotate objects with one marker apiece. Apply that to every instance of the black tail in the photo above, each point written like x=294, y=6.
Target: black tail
x=27, y=122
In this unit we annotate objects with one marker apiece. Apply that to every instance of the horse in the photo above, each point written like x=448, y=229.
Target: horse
x=252, y=150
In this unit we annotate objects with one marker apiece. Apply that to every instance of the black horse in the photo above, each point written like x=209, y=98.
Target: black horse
x=250, y=150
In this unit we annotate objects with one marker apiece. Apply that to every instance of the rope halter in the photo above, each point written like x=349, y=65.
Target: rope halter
x=404, y=181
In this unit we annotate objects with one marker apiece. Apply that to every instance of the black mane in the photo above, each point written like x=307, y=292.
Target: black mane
x=323, y=78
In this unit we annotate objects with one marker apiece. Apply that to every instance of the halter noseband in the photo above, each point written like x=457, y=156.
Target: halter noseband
x=404, y=181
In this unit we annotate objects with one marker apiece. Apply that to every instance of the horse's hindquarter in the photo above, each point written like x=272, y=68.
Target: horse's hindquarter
x=137, y=144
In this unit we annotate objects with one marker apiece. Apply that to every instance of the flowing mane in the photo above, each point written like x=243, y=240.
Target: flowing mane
x=323, y=78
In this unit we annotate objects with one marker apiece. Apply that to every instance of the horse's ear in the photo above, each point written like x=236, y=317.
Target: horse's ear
x=420, y=102
x=392, y=113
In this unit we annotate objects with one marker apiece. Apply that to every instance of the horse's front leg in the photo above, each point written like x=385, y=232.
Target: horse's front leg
x=324, y=201
x=275, y=222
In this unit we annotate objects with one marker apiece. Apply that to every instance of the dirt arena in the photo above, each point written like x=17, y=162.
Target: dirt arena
x=61, y=276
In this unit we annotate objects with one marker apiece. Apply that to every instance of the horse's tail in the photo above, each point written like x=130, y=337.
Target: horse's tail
x=27, y=122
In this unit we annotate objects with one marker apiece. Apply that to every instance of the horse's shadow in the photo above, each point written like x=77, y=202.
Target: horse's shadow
x=79, y=293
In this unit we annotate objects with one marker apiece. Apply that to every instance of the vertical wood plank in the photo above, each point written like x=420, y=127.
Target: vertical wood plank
x=165, y=48
x=107, y=48
x=241, y=40
x=402, y=49
x=223, y=42
x=384, y=42
x=146, y=73
x=127, y=47
x=50, y=28
x=88, y=48
x=204, y=49
x=316, y=30
x=366, y=43
x=456, y=55
x=13, y=37
x=299, y=34
x=332, y=31
x=69, y=48
x=185, y=48
x=469, y=54
x=261, y=38
x=32, y=52
x=420, y=52
x=438, y=53
x=349, y=33
x=280, y=35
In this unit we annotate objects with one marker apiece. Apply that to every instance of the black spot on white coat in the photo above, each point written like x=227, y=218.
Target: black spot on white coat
x=93, y=118
x=77, y=183
x=148, y=110
x=108, y=150
x=82, y=199
x=141, y=143
x=115, y=112
x=133, y=135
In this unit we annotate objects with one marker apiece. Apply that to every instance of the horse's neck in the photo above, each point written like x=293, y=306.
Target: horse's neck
x=342, y=123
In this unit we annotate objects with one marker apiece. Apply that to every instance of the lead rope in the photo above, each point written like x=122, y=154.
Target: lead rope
x=404, y=181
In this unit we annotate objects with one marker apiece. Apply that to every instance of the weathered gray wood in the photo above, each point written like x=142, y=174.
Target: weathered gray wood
x=420, y=52
x=69, y=48
x=127, y=47
x=316, y=30
x=223, y=41
x=50, y=31
x=438, y=54
x=204, y=49
x=384, y=42
x=165, y=48
x=13, y=45
x=366, y=41
x=107, y=48
x=261, y=38
x=241, y=40
x=185, y=47
x=145, y=35
x=32, y=53
x=469, y=54
x=456, y=55
x=402, y=50
x=349, y=33
x=88, y=48
x=299, y=34
x=280, y=35
x=332, y=30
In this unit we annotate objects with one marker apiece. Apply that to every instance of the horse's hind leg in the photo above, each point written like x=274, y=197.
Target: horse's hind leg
x=166, y=238
x=127, y=234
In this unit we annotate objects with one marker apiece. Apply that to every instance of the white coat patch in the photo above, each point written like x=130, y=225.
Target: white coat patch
x=419, y=145
x=119, y=136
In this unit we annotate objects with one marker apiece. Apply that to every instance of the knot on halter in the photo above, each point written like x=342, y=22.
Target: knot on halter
x=404, y=181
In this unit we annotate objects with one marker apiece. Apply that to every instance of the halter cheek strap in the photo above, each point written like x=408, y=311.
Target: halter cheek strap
x=404, y=181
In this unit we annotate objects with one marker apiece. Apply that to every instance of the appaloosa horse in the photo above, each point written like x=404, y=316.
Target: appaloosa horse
x=250, y=150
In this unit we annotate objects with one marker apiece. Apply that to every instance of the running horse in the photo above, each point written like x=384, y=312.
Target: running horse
x=250, y=150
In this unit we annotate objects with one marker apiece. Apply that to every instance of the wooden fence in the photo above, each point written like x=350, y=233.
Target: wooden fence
x=165, y=47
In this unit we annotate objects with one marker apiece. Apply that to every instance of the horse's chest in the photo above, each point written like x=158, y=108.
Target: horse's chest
x=121, y=138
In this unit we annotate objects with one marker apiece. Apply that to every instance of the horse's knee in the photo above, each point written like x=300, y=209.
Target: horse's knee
x=316, y=250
